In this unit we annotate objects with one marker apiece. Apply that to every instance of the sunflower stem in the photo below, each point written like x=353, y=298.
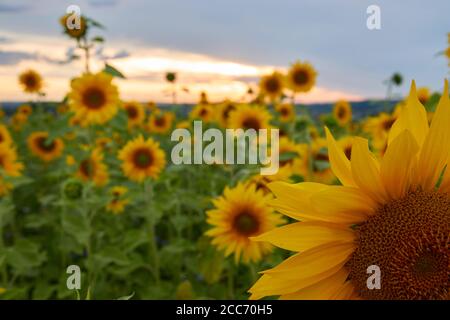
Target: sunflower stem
x=230, y=278
x=153, y=249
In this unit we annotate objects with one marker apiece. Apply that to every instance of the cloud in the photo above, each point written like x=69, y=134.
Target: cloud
x=103, y=3
x=13, y=8
x=14, y=57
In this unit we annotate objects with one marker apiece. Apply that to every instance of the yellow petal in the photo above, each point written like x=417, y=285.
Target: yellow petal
x=345, y=205
x=269, y=285
x=313, y=262
x=397, y=163
x=322, y=290
x=413, y=117
x=366, y=171
x=345, y=292
x=340, y=165
x=302, y=236
x=436, y=147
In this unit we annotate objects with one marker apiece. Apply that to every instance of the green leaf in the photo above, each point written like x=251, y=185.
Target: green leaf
x=113, y=71
x=286, y=156
x=24, y=255
x=76, y=226
x=98, y=39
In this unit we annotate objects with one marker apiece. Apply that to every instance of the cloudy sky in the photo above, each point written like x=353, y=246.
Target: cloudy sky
x=223, y=46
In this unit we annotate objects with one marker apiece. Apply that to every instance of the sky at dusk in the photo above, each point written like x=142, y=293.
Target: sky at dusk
x=222, y=47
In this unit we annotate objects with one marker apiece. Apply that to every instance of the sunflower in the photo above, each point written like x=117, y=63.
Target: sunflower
x=204, y=112
x=5, y=137
x=104, y=143
x=160, y=122
x=76, y=33
x=393, y=213
x=47, y=150
x=223, y=111
x=301, y=77
x=286, y=111
x=291, y=155
x=93, y=169
x=135, y=113
x=423, y=93
x=379, y=125
x=118, y=202
x=8, y=161
x=93, y=98
x=142, y=158
x=239, y=214
x=5, y=188
x=25, y=109
x=31, y=81
x=342, y=111
x=250, y=117
x=151, y=106
x=18, y=120
x=272, y=85
x=183, y=124
x=315, y=162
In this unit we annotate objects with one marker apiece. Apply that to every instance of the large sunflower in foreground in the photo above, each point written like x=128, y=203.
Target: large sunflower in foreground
x=240, y=213
x=31, y=81
x=250, y=117
x=94, y=99
x=301, y=77
x=93, y=169
x=8, y=161
x=142, y=159
x=272, y=85
x=45, y=149
x=342, y=111
x=393, y=213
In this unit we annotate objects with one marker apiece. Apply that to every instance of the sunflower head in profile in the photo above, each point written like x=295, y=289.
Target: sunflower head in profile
x=423, y=94
x=239, y=214
x=202, y=111
x=118, y=200
x=286, y=111
x=74, y=32
x=160, y=122
x=223, y=111
x=142, y=159
x=93, y=98
x=5, y=136
x=8, y=161
x=92, y=168
x=135, y=113
x=342, y=111
x=393, y=213
x=301, y=77
x=31, y=81
x=250, y=117
x=44, y=148
x=272, y=85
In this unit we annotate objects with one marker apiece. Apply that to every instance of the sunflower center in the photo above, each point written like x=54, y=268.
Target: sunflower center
x=203, y=112
x=251, y=123
x=94, y=98
x=284, y=112
x=160, y=121
x=300, y=77
x=45, y=145
x=273, y=85
x=408, y=239
x=132, y=112
x=30, y=81
x=1, y=138
x=341, y=112
x=143, y=158
x=388, y=124
x=246, y=224
x=87, y=168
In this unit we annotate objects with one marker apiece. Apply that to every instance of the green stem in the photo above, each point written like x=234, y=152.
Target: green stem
x=153, y=249
x=230, y=279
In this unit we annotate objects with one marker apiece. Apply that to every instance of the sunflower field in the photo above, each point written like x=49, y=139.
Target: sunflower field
x=89, y=181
